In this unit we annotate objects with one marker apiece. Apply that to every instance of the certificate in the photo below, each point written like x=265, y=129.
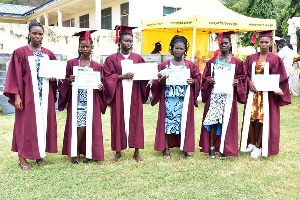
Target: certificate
x=141, y=71
x=145, y=71
x=266, y=82
x=88, y=80
x=224, y=81
x=53, y=68
x=178, y=76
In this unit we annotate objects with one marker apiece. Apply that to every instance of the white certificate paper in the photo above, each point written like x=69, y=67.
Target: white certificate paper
x=266, y=82
x=145, y=71
x=53, y=68
x=141, y=71
x=178, y=76
x=88, y=80
x=224, y=81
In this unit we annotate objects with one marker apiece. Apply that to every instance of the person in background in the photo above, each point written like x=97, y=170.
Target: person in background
x=220, y=117
x=34, y=99
x=262, y=109
x=114, y=93
x=87, y=122
x=172, y=98
x=157, y=48
x=287, y=56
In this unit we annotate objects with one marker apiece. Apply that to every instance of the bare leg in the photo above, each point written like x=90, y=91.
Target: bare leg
x=251, y=133
x=137, y=156
x=212, y=133
x=166, y=152
x=81, y=132
x=260, y=131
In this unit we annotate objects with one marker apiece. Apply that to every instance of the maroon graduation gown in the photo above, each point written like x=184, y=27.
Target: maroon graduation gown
x=99, y=106
x=231, y=139
x=114, y=93
x=158, y=95
x=19, y=81
x=276, y=66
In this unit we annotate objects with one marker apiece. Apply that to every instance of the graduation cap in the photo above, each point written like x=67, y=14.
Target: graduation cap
x=261, y=34
x=85, y=35
x=122, y=29
x=224, y=35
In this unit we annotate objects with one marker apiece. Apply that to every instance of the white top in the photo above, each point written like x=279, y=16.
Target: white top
x=287, y=56
x=126, y=56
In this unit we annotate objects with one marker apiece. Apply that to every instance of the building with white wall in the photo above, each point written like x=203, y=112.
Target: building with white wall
x=61, y=18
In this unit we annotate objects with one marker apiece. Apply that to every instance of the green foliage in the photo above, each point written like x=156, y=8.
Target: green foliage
x=267, y=9
x=264, y=9
x=33, y=3
x=6, y=1
x=238, y=6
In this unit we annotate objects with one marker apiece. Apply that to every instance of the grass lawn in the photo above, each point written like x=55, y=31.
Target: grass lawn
x=276, y=177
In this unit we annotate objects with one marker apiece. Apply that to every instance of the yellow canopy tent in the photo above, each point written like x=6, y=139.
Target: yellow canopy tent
x=196, y=21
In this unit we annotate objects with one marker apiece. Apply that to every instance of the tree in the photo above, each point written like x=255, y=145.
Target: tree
x=238, y=6
x=264, y=9
x=33, y=3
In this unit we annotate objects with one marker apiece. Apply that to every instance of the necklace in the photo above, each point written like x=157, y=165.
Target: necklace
x=226, y=59
x=87, y=64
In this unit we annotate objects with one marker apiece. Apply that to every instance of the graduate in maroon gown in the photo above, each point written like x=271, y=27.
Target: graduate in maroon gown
x=83, y=131
x=34, y=99
x=219, y=129
x=175, y=124
x=261, y=123
x=114, y=87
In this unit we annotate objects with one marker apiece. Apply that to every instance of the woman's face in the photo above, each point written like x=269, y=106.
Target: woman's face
x=178, y=50
x=126, y=42
x=36, y=34
x=225, y=45
x=85, y=48
x=264, y=44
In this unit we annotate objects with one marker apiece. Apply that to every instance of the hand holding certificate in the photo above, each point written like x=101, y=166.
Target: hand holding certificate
x=178, y=77
x=266, y=82
x=88, y=80
x=141, y=71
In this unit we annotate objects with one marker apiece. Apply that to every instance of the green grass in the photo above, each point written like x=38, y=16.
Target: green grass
x=276, y=177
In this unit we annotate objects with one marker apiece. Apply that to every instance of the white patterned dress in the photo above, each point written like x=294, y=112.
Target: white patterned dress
x=216, y=109
x=82, y=103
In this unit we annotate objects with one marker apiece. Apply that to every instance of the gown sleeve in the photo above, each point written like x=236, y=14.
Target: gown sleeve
x=111, y=78
x=14, y=78
x=206, y=88
x=64, y=88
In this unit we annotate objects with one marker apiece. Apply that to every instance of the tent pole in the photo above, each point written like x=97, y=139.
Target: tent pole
x=194, y=42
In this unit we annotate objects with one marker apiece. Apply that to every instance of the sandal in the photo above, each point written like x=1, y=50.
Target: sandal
x=187, y=155
x=166, y=153
x=212, y=152
x=75, y=162
x=25, y=167
x=40, y=163
x=86, y=160
x=222, y=156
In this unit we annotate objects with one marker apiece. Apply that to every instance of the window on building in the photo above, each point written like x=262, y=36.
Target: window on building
x=84, y=21
x=68, y=23
x=124, y=13
x=169, y=10
x=106, y=18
